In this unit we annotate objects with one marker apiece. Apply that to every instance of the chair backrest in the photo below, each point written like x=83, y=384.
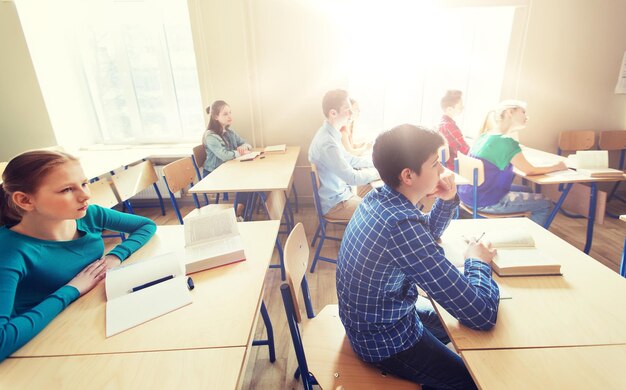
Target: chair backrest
x=444, y=153
x=315, y=183
x=576, y=140
x=179, y=174
x=275, y=204
x=134, y=179
x=296, y=260
x=102, y=194
x=199, y=154
x=469, y=166
x=612, y=140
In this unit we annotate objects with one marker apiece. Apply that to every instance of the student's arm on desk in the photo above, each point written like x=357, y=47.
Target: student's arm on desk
x=520, y=162
x=471, y=297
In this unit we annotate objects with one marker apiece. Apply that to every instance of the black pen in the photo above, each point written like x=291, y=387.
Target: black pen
x=152, y=283
x=481, y=236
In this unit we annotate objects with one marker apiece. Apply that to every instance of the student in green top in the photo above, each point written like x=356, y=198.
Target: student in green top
x=52, y=249
x=500, y=153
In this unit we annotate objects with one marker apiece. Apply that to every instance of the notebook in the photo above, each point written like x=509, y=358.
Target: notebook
x=595, y=163
x=249, y=156
x=275, y=148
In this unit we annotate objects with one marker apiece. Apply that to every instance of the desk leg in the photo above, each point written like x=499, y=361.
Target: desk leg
x=558, y=205
x=591, y=219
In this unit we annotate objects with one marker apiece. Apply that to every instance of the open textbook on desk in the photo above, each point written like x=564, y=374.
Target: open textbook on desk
x=144, y=290
x=212, y=239
x=594, y=163
x=516, y=254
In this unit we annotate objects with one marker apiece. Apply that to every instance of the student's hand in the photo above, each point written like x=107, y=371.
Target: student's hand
x=241, y=150
x=112, y=261
x=87, y=279
x=446, y=188
x=481, y=251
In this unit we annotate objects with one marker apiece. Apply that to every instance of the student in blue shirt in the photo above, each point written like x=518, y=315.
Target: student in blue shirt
x=390, y=248
x=222, y=143
x=52, y=248
x=337, y=169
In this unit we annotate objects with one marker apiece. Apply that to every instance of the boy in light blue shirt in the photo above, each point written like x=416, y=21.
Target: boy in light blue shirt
x=336, y=168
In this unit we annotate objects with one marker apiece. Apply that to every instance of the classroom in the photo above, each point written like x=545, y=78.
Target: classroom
x=144, y=92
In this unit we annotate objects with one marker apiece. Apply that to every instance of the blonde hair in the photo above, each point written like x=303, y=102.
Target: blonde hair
x=494, y=116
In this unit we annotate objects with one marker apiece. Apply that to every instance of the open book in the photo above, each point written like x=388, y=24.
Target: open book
x=141, y=291
x=248, y=156
x=595, y=163
x=211, y=239
x=275, y=148
x=518, y=256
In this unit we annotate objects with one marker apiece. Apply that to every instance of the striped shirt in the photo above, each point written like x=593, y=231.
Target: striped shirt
x=388, y=249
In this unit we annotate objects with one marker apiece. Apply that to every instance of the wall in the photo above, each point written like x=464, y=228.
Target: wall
x=24, y=121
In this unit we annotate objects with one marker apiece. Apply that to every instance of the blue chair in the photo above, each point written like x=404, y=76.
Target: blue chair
x=199, y=156
x=622, y=266
x=322, y=223
x=473, y=170
x=614, y=140
x=329, y=360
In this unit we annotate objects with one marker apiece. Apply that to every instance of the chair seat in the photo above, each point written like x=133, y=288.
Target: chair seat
x=208, y=208
x=490, y=215
x=333, y=362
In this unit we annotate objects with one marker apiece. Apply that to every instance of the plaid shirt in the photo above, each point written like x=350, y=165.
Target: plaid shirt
x=388, y=248
x=456, y=143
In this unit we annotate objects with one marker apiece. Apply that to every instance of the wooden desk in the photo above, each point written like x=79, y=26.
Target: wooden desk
x=274, y=172
x=568, y=178
x=596, y=367
x=188, y=369
x=223, y=313
x=585, y=306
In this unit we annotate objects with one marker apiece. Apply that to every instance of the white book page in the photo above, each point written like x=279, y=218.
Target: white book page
x=512, y=238
x=568, y=173
x=133, y=309
x=248, y=156
x=592, y=159
x=522, y=257
x=211, y=226
x=120, y=280
x=275, y=148
x=203, y=250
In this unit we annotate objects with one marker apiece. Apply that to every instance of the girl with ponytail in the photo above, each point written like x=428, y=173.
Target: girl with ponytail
x=500, y=153
x=52, y=248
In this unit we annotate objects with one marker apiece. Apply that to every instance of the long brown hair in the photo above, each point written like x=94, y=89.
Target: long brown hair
x=24, y=173
x=214, y=125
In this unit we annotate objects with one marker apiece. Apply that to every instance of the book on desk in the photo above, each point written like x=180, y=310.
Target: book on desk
x=212, y=239
x=275, y=149
x=144, y=290
x=517, y=255
x=594, y=163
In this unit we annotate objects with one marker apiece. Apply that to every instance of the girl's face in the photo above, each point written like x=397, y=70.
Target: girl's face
x=224, y=117
x=63, y=194
x=519, y=118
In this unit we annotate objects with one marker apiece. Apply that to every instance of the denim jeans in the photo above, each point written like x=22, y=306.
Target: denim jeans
x=521, y=199
x=429, y=362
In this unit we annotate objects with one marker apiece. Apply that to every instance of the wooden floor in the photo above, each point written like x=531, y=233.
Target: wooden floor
x=261, y=374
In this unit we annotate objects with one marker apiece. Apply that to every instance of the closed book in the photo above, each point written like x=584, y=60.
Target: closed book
x=275, y=149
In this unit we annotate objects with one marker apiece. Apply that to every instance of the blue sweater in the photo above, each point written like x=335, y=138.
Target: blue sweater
x=34, y=273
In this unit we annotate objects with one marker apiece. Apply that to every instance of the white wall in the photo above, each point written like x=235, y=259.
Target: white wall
x=24, y=121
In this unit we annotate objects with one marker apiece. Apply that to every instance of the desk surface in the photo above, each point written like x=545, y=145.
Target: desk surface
x=596, y=367
x=189, y=369
x=273, y=172
x=223, y=313
x=583, y=307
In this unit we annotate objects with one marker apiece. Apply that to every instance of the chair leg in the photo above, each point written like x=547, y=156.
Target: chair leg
x=317, y=251
x=270, y=333
x=281, y=260
x=295, y=196
x=317, y=233
x=161, y=204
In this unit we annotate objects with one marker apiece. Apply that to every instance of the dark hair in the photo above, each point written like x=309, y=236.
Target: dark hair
x=451, y=98
x=333, y=100
x=24, y=173
x=404, y=146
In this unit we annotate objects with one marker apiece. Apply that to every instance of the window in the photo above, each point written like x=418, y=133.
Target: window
x=400, y=69
x=140, y=69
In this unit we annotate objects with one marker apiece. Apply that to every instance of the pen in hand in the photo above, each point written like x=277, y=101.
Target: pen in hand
x=481, y=236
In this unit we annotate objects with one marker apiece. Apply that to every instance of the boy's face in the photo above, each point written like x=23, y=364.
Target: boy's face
x=342, y=116
x=426, y=182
